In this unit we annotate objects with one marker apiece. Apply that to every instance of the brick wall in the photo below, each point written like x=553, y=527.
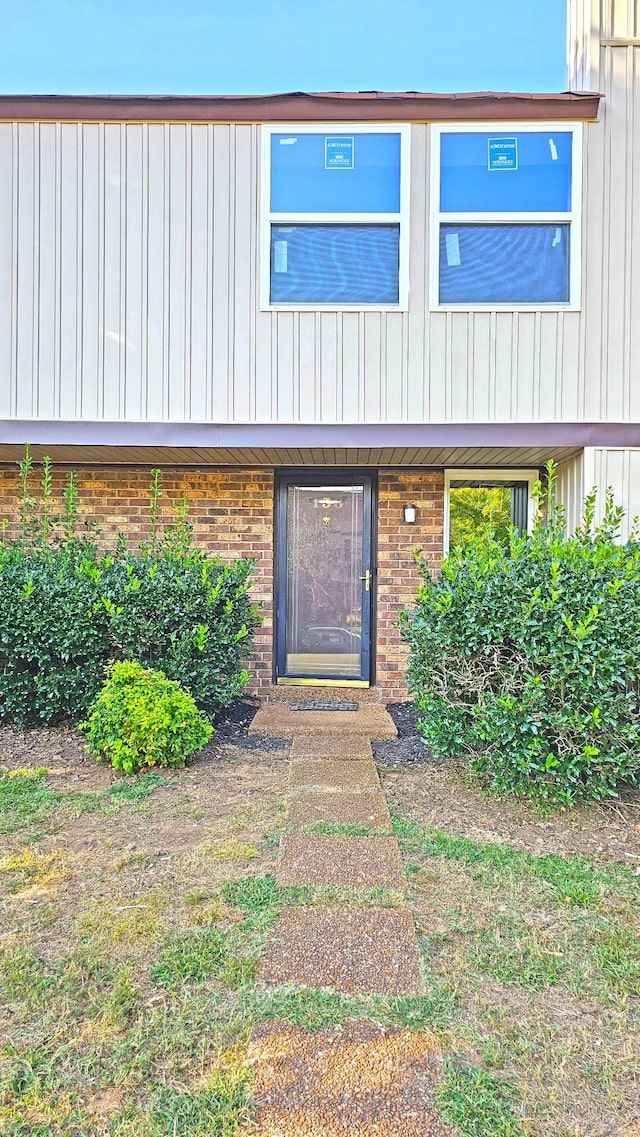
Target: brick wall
x=397, y=573
x=231, y=512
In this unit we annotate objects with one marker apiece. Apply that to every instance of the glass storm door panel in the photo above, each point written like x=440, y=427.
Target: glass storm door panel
x=324, y=606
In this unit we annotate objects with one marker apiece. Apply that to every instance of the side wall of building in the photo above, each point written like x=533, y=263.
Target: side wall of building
x=570, y=490
x=397, y=572
x=614, y=468
x=618, y=469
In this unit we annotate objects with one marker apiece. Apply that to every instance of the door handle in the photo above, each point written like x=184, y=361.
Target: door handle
x=367, y=580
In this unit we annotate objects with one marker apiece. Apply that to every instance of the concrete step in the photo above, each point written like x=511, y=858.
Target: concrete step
x=329, y=774
x=342, y=862
x=277, y=720
x=367, y=808
x=357, y=1080
x=331, y=747
x=359, y=951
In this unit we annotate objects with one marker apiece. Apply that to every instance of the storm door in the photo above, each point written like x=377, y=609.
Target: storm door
x=324, y=585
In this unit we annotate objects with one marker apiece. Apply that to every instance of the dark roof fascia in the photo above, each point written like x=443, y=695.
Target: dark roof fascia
x=298, y=106
x=317, y=435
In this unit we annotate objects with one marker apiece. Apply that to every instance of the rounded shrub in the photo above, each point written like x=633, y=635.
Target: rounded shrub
x=526, y=658
x=141, y=718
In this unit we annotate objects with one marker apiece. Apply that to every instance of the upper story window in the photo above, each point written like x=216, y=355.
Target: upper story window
x=335, y=217
x=506, y=225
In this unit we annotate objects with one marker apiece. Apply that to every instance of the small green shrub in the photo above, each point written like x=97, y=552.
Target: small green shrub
x=526, y=657
x=141, y=718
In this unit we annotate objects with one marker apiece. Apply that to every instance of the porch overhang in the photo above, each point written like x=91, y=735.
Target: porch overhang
x=306, y=444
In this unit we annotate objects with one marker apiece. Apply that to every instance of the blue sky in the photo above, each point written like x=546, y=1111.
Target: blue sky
x=261, y=46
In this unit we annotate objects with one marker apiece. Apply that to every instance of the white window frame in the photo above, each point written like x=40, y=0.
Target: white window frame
x=267, y=218
x=478, y=474
x=572, y=217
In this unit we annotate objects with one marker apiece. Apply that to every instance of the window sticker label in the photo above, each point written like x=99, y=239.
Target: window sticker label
x=452, y=245
x=280, y=256
x=339, y=153
x=503, y=153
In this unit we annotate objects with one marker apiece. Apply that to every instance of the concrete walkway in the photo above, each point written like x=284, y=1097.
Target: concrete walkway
x=366, y=950
x=360, y=1078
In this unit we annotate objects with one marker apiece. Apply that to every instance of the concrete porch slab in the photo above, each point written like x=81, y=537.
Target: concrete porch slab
x=327, y=774
x=364, y=807
x=343, y=862
x=277, y=720
x=369, y=951
x=292, y=692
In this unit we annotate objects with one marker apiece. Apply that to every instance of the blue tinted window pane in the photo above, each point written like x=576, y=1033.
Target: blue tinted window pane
x=335, y=173
x=334, y=264
x=504, y=264
x=505, y=173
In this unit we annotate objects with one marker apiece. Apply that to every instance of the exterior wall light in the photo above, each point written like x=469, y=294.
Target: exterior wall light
x=410, y=513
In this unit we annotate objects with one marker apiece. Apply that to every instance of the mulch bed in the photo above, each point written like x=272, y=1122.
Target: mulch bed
x=232, y=728
x=407, y=749
x=63, y=746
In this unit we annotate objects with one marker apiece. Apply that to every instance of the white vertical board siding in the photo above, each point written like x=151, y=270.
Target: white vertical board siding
x=136, y=295
x=7, y=271
x=570, y=490
x=618, y=469
x=601, y=57
x=615, y=468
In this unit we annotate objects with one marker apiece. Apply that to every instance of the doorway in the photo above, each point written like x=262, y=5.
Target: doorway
x=324, y=579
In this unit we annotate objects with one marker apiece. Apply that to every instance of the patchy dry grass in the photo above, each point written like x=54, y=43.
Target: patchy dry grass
x=223, y=849
x=134, y=913
x=124, y=919
x=125, y=976
x=31, y=871
x=542, y=952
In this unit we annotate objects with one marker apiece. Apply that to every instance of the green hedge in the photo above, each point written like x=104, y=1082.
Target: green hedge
x=526, y=658
x=66, y=609
x=54, y=632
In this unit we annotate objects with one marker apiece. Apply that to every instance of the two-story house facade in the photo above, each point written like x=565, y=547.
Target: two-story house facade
x=321, y=316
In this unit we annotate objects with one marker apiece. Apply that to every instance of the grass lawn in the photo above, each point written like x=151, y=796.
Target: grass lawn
x=533, y=925
x=134, y=913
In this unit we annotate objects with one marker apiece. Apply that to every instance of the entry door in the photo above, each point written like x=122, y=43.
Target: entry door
x=324, y=587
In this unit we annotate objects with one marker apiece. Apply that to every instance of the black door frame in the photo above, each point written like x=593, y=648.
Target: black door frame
x=312, y=476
